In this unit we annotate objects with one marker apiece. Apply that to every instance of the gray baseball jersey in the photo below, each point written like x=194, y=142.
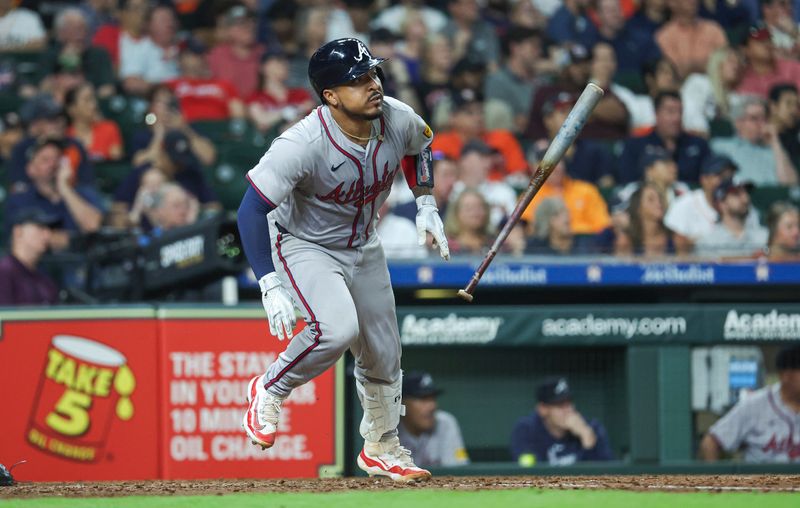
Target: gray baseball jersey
x=764, y=425
x=328, y=189
x=442, y=446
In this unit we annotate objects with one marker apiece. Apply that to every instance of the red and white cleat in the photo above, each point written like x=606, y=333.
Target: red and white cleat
x=388, y=458
x=260, y=422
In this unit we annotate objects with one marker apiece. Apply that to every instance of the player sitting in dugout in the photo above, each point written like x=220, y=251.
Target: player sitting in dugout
x=764, y=423
x=555, y=433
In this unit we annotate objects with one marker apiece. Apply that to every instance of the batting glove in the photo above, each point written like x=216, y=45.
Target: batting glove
x=428, y=221
x=279, y=306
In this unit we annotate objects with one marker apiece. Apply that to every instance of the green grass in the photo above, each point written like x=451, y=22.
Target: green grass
x=434, y=499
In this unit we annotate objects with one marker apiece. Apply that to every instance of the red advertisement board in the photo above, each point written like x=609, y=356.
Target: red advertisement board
x=78, y=394
x=207, y=366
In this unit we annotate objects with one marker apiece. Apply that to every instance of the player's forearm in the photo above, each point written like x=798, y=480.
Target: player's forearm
x=254, y=231
x=421, y=191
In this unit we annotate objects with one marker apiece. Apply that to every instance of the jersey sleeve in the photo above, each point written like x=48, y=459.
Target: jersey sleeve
x=731, y=429
x=416, y=133
x=282, y=168
x=454, y=453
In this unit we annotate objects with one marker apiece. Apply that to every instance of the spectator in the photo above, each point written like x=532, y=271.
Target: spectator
x=585, y=160
x=73, y=49
x=687, y=39
x=587, y=209
x=124, y=40
x=552, y=233
x=760, y=424
x=21, y=29
x=467, y=124
x=555, y=433
x=778, y=17
x=515, y=82
x=238, y=58
x=609, y=119
x=310, y=35
x=632, y=48
x=783, y=243
x=151, y=181
x=649, y=17
x=688, y=151
x=397, y=16
x=349, y=18
x=171, y=207
x=445, y=175
x=201, y=96
x=474, y=166
x=709, y=97
x=660, y=171
x=756, y=149
x=659, y=76
x=164, y=114
x=569, y=23
x=176, y=159
x=275, y=103
x=693, y=215
x=470, y=35
x=11, y=133
x=732, y=235
x=65, y=76
x=467, y=223
x=98, y=12
x=410, y=47
x=763, y=67
x=432, y=435
x=51, y=175
x=435, y=66
x=21, y=282
x=733, y=16
x=784, y=116
x=155, y=59
x=398, y=235
x=649, y=237
x=101, y=138
x=43, y=119
x=396, y=79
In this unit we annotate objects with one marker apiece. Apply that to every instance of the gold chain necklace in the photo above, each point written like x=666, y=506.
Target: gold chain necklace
x=376, y=135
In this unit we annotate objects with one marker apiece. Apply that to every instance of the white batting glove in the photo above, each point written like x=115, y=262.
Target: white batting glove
x=279, y=306
x=428, y=221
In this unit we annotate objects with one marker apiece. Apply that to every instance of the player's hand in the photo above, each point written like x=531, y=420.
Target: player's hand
x=428, y=221
x=279, y=306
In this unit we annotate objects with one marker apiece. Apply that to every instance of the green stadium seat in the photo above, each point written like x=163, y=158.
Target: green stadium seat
x=110, y=174
x=720, y=128
x=229, y=182
x=631, y=80
x=763, y=197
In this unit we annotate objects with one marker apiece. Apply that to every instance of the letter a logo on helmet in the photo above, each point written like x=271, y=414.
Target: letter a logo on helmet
x=339, y=61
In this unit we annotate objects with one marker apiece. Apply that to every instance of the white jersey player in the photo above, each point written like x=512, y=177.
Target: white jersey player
x=308, y=228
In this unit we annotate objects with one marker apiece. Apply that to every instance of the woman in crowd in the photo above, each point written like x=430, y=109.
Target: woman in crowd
x=274, y=102
x=649, y=236
x=551, y=229
x=100, y=137
x=436, y=64
x=467, y=223
x=709, y=97
x=783, y=221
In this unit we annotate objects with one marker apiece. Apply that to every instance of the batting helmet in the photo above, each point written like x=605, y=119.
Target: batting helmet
x=338, y=62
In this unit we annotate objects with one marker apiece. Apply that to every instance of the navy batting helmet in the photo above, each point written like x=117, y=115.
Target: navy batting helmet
x=338, y=62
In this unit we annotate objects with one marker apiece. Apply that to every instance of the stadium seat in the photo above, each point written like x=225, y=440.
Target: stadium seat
x=110, y=174
x=631, y=80
x=228, y=181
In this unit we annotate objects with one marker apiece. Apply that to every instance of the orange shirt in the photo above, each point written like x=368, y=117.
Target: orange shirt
x=105, y=136
x=450, y=143
x=588, y=212
x=690, y=46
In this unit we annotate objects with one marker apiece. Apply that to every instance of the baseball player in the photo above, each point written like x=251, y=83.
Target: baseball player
x=765, y=424
x=307, y=224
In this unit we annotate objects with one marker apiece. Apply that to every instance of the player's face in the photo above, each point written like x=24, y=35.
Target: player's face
x=420, y=414
x=361, y=98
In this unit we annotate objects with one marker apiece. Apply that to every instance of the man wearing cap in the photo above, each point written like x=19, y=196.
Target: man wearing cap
x=732, y=235
x=178, y=163
x=756, y=149
x=237, y=59
x=201, y=96
x=687, y=150
x=78, y=207
x=21, y=283
x=432, y=435
x=693, y=214
x=765, y=424
x=763, y=67
x=555, y=433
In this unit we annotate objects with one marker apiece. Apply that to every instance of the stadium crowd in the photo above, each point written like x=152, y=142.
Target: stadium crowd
x=133, y=114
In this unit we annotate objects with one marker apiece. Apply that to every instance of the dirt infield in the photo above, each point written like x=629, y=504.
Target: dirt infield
x=669, y=483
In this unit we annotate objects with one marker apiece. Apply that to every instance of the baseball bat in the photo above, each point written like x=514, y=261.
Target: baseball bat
x=566, y=135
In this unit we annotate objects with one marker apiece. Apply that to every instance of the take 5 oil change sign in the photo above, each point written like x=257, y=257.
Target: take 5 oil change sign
x=79, y=394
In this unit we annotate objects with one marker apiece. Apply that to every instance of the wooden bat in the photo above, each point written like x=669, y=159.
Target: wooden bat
x=566, y=135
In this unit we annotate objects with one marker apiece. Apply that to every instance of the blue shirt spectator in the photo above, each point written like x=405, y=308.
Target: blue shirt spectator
x=570, y=24
x=687, y=150
x=556, y=433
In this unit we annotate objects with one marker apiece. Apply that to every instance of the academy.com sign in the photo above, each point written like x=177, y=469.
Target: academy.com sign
x=591, y=326
x=772, y=325
x=450, y=329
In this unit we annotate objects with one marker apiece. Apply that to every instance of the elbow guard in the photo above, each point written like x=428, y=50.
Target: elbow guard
x=419, y=169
